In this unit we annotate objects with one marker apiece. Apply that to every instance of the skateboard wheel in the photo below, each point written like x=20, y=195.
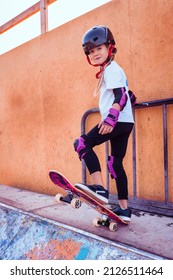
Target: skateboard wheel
x=76, y=203
x=113, y=226
x=97, y=222
x=59, y=198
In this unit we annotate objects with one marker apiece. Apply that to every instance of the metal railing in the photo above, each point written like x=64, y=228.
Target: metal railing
x=160, y=207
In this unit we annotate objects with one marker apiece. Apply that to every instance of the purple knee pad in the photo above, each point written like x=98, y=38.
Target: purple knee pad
x=80, y=147
x=110, y=167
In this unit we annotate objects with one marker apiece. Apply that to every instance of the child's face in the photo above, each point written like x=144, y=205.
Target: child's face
x=98, y=55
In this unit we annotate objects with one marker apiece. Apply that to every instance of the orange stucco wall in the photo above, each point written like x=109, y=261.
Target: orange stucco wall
x=46, y=85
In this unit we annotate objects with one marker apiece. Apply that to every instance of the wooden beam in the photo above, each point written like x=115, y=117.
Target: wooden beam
x=44, y=16
x=24, y=15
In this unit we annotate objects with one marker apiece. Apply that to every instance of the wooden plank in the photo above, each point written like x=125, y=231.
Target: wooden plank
x=44, y=16
x=22, y=16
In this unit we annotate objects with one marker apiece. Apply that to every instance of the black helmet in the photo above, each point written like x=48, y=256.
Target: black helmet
x=96, y=36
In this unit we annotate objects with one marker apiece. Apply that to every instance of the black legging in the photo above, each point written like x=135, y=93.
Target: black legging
x=119, y=140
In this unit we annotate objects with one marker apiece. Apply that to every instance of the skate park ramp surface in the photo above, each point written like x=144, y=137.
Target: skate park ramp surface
x=27, y=236
x=44, y=232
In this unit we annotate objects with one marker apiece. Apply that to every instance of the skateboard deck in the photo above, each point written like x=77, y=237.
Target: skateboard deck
x=74, y=196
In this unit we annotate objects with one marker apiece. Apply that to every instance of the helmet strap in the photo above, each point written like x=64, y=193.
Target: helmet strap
x=102, y=68
x=89, y=61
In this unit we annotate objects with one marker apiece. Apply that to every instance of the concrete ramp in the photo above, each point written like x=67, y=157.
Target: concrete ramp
x=25, y=236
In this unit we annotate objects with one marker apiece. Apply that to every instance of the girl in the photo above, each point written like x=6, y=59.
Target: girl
x=116, y=119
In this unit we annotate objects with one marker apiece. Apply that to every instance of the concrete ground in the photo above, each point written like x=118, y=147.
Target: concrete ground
x=151, y=233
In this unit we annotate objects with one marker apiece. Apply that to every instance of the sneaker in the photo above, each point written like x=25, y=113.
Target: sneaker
x=124, y=214
x=95, y=191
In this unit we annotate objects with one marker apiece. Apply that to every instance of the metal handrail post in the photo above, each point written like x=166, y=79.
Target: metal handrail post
x=165, y=147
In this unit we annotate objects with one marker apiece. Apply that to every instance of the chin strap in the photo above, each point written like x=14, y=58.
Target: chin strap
x=102, y=68
x=107, y=61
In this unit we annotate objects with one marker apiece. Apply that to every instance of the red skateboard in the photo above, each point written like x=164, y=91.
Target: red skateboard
x=74, y=196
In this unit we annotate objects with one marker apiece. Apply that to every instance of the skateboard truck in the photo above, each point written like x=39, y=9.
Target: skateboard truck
x=105, y=221
x=75, y=202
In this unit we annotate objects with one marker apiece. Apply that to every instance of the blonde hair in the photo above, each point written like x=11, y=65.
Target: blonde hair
x=100, y=76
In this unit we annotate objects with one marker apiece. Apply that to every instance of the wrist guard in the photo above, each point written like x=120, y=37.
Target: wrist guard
x=112, y=117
